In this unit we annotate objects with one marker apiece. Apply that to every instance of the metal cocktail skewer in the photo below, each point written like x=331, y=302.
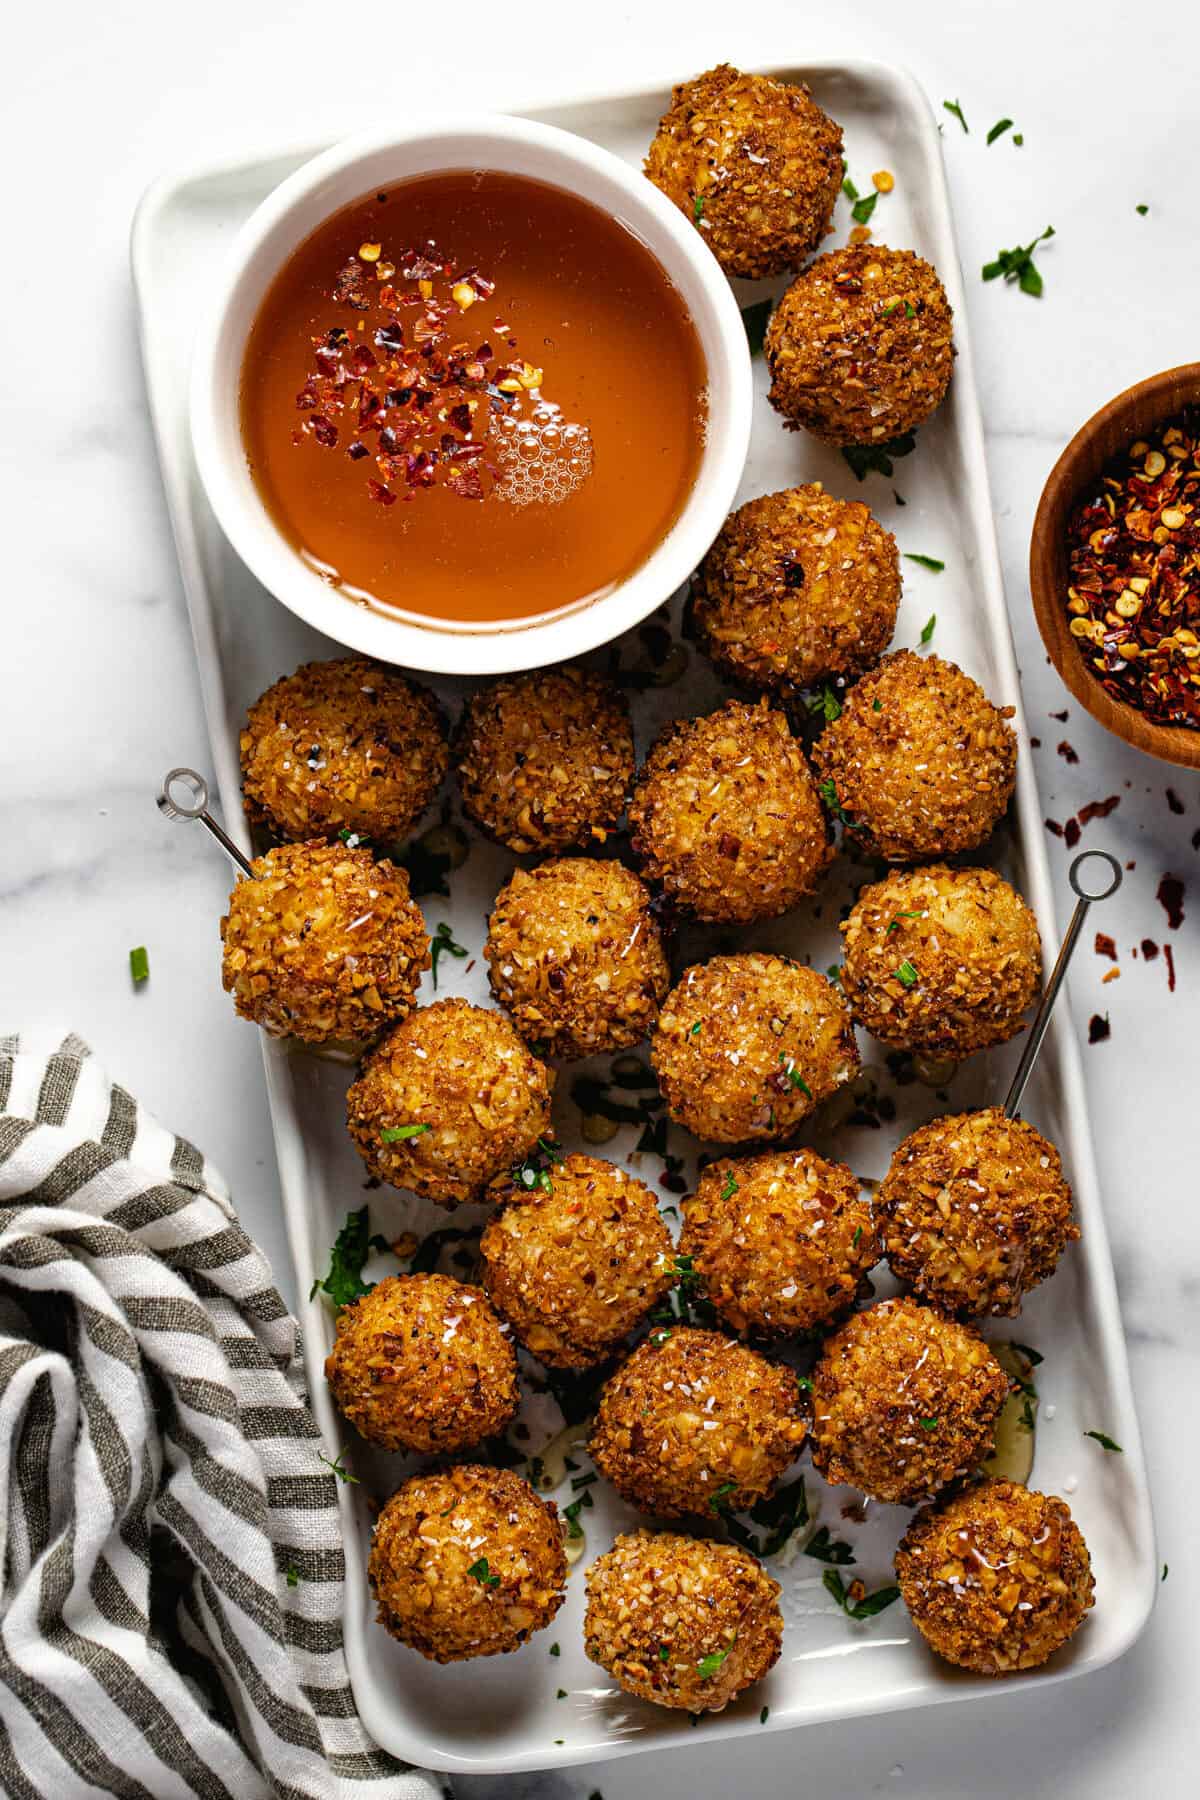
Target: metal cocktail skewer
x=195, y=806
x=1037, y=1030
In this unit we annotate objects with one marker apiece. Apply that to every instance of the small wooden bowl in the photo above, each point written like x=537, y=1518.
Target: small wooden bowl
x=1131, y=415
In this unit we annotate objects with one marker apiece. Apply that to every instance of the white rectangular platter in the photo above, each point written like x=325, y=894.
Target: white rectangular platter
x=507, y=1713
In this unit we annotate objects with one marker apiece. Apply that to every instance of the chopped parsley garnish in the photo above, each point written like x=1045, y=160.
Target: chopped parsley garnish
x=877, y=706
x=857, y=1238
x=929, y=1424
x=660, y=1337
x=715, y=1498
x=868, y=1606
x=139, y=965
x=754, y=318
x=1018, y=265
x=730, y=1188
x=862, y=209
x=571, y=1515
x=796, y=1080
x=834, y=973
x=664, y=1655
x=1018, y=140
x=867, y=458
x=825, y=705
x=556, y=1649
x=353, y=1244
x=695, y=1030
x=910, y=312
x=442, y=944
x=337, y=1466
x=1143, y=209
x=999, y=129
x=708, y=1665
x=1105, y=1442
x=352, y=839
x=952, y=106
x=764, y=1715
x=927, y=630
x=480, y=1572
x=829, y=794
x=894, y=924
x=534, y=1172
x=397, y=1134
x=292, y=1575
x=561, y=1694
x=828, y=1549
x=698, y=208
x=1163, y=1576
x=906, y=974
x=926, y=562
x=804, y=1383
x=583, y=1481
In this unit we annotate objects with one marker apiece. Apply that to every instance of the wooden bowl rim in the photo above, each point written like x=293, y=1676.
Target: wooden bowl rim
x=1178, y=744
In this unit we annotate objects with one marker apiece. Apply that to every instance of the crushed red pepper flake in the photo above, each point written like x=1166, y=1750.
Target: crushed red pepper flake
x=1071, y=833
x=1068, y=752
x=1134, y=561
x=1035, y=743
x=1169, y=895
x=1098, y=809
x=1110, y=975
x=1174, y=802
x=1052, y=825
x=1098, y=1028
x=1169, y=958
x=1149, y=949
x=1062, y=716
x=1106, y=946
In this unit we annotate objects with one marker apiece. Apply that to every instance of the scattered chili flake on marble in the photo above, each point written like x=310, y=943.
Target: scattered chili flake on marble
x=1174, y=802
x=1068, y=752
x=1134, y=561
x=1071, y=833
x=1035, y=743
x=1098, y=1028
x=1169, y=895
x=1110, y=975
x=1106, y=946
x=1062, y=716
x=1149, y=949
x=1052, y=825
x=1098, y=809
x=1169, y=958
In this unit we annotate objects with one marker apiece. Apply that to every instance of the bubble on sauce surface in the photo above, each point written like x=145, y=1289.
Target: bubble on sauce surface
x=541, y=459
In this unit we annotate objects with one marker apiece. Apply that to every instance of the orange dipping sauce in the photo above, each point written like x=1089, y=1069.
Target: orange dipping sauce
x=474, y=397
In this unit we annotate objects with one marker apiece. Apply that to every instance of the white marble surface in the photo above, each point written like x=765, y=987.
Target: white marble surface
x=100, y=693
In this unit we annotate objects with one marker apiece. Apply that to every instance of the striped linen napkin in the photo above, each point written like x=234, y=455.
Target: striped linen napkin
x=171, y=1566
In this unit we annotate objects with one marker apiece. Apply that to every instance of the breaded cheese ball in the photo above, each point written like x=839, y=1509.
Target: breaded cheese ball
x=421, y=1362
x=545, y=759
x=975, y=1211
x=692, y=1415
x=861, y=348
x=576, y=957
x=746, y=1047
x=903, y=1401
x=780, y=1241
x=726, y=816
x=448, y=1101
x=798, y=588
x=996, y=1578
x=324, y=943
x=920, y=760
x=680, y=1621
x=941, y=961
x=574, y=1266
x=348, y=746
x=755, y=165
x=467, y=1562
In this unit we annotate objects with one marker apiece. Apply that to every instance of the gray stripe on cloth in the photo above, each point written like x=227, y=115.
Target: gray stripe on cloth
x=120, y=1128
x=58, y=1083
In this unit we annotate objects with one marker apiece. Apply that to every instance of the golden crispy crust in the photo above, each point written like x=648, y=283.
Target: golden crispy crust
x=680, y=1621
x=746, y=1047
x=997, y=1578
x=545, y=760
x=970, y=953
x=434, y=1531
x=725, y=815
x=422, y=1363
x=324, y=943
x=975, y=1211
x=346, y=745
x=903, y=1402
x=462, y=1071
x=754, y=163
x=574, y=1268
x=861, y=348
x=920, y=759
x=690, y=1413
x=798, y=588
x=576, y=957
x=779, y=1241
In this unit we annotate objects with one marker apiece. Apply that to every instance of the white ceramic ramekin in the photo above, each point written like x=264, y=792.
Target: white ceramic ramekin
x=342, y=175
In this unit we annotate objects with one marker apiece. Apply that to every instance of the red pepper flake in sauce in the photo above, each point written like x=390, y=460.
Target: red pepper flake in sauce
x=1169, y=957
x=1170, y=897
x=1106, y=946
x=1098, y=1028
x=1068, y=753
x=1134, y=560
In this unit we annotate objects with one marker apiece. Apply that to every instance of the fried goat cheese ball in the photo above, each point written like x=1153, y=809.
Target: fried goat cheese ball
x=448, y=1101
x=941, y=961
x=860, y=348
x=920, y=764
x=575, y=1266
x=798, y=588
x=726, y=816
x=544, y=760
x=467, y=1562
x=779, y=1242
x=324, y=943
x=692, y=1415
x=975, y=1211
x=903, y=1401
x=997, y=1578
x=421, y=1362
x=345, y=746
x=747, y=1047
x=754, y=164
x=680, y=1621
x=576, y=957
